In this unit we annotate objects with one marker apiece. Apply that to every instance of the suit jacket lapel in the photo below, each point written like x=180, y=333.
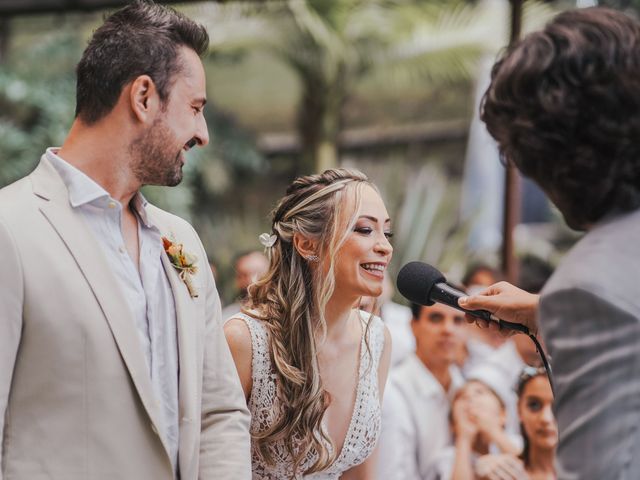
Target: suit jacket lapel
x=90, y=259
x=187, y=321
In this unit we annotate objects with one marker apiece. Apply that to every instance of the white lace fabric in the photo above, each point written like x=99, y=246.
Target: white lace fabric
x=364, y=427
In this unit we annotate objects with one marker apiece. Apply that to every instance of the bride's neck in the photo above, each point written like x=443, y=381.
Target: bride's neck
x=337, y=314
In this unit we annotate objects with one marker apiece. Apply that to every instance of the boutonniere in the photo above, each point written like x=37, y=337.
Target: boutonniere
x=183, y=262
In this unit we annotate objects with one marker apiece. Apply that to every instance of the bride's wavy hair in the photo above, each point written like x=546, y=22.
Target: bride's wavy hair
x=291, y=298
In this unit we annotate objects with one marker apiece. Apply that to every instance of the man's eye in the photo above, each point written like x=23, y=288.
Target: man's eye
x=534, y=405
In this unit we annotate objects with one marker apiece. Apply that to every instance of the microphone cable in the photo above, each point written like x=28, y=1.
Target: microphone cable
x=545, y=361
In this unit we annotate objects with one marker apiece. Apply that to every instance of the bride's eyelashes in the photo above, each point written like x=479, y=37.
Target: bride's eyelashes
x=369, y=230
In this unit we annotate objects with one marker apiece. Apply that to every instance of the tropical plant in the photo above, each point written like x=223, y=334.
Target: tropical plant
x=331, y=45
x=36, y=101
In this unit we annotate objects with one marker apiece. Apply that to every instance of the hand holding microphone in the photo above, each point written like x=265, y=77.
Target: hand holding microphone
x=505, y=301
x=423, y=284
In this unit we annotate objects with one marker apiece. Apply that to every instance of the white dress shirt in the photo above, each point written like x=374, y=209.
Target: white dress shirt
x=397, y=318
x=147, y=290
x=415, y=420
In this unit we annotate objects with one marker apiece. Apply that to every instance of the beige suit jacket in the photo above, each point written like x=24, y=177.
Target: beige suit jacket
x=76, y=401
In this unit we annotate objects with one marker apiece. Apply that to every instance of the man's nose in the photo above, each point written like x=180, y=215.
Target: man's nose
x=448, y=325
x=202, y=132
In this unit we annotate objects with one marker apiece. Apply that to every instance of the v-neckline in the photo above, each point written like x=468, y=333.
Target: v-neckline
x=358, y=396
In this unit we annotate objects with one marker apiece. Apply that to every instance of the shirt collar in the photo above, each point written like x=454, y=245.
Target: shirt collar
x=139, y=204
x=84, y=190
x=428, y=385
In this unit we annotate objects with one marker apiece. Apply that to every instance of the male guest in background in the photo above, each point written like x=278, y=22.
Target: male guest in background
x=249, y=267
x=480, y=343
x=113, y=364
x=415, y=424
x=564, y=106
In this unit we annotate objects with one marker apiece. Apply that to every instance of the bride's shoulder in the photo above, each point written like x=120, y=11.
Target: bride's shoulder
x=244, y=324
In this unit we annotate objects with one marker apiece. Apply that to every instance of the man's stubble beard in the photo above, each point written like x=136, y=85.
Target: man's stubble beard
x=155, y=160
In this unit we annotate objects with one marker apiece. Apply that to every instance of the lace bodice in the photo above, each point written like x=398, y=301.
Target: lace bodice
x=364, y=427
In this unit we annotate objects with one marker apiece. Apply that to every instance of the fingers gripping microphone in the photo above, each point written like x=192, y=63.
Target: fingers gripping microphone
x=423, y=284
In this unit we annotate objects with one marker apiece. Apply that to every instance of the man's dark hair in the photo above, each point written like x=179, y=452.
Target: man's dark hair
x=142, y=38
x=564, y=106
x=416, y=309
x=476, y=268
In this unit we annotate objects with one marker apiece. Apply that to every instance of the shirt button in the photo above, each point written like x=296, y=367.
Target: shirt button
x=111, y=204
x=121, y=249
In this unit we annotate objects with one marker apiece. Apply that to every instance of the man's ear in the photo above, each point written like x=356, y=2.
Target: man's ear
x=144, y=98
x=306, y=247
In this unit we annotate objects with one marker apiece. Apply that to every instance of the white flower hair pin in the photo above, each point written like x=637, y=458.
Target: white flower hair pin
x=267, y=240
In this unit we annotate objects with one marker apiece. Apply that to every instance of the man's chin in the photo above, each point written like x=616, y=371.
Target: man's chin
x=175, y=179
x=173, y=182
x=573, y=223
x=170, y=180
x=565, y=209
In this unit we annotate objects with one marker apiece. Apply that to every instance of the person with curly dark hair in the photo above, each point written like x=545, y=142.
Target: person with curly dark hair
x=564, y=107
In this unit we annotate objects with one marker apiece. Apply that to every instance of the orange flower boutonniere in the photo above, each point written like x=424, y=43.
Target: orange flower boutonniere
x=183, y=262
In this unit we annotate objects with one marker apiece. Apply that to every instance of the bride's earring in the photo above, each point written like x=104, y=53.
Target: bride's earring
x=311, y=258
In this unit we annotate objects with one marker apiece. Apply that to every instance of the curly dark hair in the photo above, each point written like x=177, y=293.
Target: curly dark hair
x=564, y=106
x=140, y=39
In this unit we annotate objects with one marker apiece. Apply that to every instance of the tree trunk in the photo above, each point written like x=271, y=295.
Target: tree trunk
x=319, y=121
x=512, y=197
x=4, y=39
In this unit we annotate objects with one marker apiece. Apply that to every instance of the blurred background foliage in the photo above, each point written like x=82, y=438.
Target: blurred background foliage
x=386, y=86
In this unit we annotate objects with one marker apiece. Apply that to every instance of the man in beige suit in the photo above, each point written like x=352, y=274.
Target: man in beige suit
x=113, y=364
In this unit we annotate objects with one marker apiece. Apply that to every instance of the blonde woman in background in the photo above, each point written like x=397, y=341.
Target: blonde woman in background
x=312, y=367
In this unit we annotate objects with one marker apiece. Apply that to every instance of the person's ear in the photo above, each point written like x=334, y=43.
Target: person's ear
x=306, y=247
x=144, y=98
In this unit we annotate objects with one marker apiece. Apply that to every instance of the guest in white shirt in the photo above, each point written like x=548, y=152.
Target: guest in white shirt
x=480, y=343
x=397, y=318
x=415, y=414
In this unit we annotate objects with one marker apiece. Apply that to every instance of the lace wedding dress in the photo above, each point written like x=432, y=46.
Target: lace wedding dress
x=364, y=427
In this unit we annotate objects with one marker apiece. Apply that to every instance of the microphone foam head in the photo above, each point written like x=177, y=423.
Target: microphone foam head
x=415, y=281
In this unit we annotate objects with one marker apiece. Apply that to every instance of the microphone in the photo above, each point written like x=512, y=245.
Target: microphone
x=425, y=285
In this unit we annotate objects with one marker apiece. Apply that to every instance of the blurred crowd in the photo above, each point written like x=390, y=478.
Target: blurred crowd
x=461, y=402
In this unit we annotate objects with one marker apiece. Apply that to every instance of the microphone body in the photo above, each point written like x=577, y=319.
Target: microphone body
x=423, y=284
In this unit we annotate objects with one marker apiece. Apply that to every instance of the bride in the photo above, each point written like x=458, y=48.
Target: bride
x=312, y=367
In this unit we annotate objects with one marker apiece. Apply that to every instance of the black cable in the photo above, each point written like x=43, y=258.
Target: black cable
x=523, y=328
x=545, y=362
